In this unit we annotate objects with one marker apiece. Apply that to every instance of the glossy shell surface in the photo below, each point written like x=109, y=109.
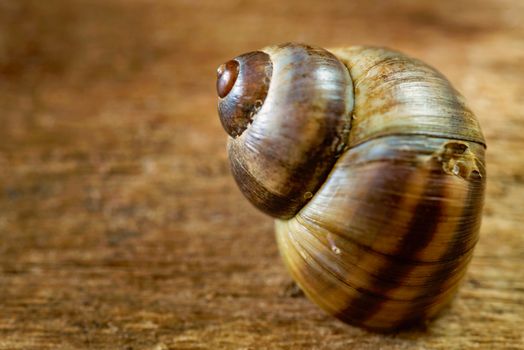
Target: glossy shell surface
x=384, y=217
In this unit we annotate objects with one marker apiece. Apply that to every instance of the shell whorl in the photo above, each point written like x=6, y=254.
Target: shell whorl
x=393, y=207
x=294, y=136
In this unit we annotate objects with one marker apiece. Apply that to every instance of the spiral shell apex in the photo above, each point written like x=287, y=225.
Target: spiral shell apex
x=372, y=165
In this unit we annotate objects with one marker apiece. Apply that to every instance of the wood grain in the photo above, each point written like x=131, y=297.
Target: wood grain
x=120, y=224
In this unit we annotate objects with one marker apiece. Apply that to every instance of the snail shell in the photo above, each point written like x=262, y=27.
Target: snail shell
x=373, y=167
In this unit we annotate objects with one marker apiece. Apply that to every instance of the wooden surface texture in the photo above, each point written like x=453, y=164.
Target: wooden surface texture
x=120, y=224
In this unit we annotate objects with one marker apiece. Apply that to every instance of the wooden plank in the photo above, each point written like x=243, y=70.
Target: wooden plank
x=120, y=225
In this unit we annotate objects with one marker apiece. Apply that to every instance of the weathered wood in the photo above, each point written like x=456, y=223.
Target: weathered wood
x=120, y=224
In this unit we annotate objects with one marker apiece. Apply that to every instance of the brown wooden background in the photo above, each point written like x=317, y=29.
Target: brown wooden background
x=120, y=225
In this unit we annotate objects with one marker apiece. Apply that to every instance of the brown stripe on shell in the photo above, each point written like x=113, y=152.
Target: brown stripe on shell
x=427, y=297
x=419, y=234
x=440, y=292
x=470, y=223
x=258, y=194
x=351, y=268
